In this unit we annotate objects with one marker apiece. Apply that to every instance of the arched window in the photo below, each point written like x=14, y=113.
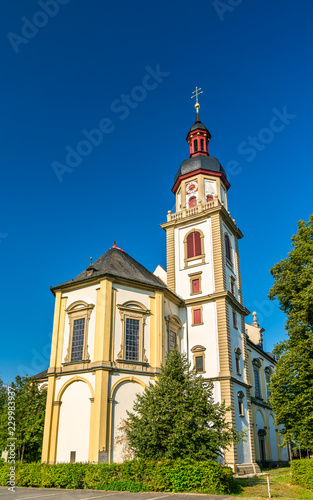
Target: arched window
x=202, y=144
x=227, y=248
x=209, y=197
x=193, y=244
x=195, y=144
x=192, y=202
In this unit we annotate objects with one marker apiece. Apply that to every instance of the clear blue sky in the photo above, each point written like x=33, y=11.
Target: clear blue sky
x=253, y=61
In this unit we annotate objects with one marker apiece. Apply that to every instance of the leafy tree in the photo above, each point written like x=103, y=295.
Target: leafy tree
x=177, y=418
x=29, y=414
x=291, y=384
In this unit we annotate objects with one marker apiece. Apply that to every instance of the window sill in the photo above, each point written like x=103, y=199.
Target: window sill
x=66, y=363
x=132, y=362
x=197, y=324
x=195, y=293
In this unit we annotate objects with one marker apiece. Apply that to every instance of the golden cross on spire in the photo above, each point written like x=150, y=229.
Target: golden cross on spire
x=196, y=94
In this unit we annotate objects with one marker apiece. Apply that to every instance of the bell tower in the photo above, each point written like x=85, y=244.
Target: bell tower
x=203, y=268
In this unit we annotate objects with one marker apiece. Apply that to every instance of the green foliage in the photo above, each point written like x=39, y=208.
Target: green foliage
x=176, y=417
x=135, y=475
x=302, y=472
x=292, y=383
x=27, y=416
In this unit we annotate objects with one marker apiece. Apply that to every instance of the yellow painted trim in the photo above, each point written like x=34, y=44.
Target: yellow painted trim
x=61, y=332
x=126, y=379
x=102, y=349
x=77, y=378
x=48, y=420
x=99, y=416
x=55, y=331
x=157, y=334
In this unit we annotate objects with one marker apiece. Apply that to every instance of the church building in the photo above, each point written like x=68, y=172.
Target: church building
x=115, y=322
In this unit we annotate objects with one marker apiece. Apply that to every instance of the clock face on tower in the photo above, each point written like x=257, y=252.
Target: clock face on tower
x=192, y=187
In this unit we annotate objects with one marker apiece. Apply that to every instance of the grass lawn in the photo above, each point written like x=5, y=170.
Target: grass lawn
x=281, y=488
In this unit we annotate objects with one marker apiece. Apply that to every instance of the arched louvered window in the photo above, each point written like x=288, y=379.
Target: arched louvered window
x=193, y=244
x=192, y=202
x=227, y=248
x=195, y=144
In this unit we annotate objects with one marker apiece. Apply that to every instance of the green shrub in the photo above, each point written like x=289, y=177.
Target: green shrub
x=136, y=475
x=302, y=472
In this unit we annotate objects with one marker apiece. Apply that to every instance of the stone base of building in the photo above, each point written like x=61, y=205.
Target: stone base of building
x=242, y=469
x=271, y=464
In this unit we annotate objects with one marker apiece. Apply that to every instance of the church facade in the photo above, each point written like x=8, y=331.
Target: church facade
x=115, y=322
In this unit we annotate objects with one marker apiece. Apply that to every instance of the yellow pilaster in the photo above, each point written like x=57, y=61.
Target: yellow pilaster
x=56, y=406
x=48, y=420
x=103, y=322
x=55, y=331
x=157, y=334
x=218, y=253
x=61, y=331
x=99, y=416
x=103, y=352
x=170, y=256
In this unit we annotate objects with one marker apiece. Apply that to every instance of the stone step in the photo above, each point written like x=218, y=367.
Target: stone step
x=242, y=469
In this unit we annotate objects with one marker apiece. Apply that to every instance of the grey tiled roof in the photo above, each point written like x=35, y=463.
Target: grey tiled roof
x=199, y=162
x=41, y=374
x=116, y=262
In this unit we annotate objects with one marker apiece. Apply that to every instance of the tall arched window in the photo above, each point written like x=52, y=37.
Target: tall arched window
x=192, y=202
x=195, y=144
x=227, y=248
x=193, y=244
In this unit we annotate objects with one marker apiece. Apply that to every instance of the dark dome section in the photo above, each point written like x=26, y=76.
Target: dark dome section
x=198, y=125
x=199, y=162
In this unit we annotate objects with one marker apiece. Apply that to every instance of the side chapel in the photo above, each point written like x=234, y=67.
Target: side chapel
x=115, y=322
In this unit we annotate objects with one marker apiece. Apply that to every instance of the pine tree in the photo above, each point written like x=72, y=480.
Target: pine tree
x=291, y=384
x=176, y=417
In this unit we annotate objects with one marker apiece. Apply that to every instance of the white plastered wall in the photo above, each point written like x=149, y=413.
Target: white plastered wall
x=236, y=341
x=273, y=438
x=74, y=423
x=181, y=273
x=206, y=335
x=87, y=294
x=124, y=396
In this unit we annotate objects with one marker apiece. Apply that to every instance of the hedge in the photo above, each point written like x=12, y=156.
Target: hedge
x=136, y=475
x=302, y=472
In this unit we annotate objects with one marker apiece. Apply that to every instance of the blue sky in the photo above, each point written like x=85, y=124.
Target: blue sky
x=254, y=62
